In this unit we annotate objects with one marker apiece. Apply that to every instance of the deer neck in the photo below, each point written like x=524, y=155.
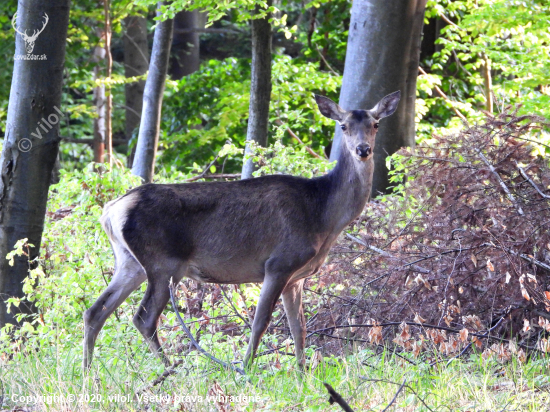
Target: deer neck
x=350, y=187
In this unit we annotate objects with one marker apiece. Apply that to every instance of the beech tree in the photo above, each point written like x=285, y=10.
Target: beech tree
x=260, y=89
x=382, y=56
x=31, y=143
x=149, y=129
x=136, y=63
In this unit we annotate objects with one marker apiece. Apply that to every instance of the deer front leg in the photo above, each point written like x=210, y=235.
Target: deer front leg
x=271, y=290
x=278, y=270
x=292, y=301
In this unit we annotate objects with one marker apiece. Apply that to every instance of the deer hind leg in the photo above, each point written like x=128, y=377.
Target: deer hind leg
x=153, y=303
x=129, y=274
x=279, y=269
x=292, y=301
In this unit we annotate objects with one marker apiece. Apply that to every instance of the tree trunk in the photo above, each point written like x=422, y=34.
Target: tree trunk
x=100, y=129
x=185, y=45
x=108, y=72
x=382, y=56
x=136, y=63
x=144, y=162
x=32, y=140
x=260, y=89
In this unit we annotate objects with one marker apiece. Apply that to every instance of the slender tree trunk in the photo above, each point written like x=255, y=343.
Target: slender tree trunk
x=108, y=96
x=185, y=45
x=260, y=89
x=144, y=162
x=136, y=63
x=99, y=102
x=382, y=56
x=32, y=140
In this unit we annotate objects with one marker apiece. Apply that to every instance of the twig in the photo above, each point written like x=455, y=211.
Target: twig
x=442, y=94
x=279, y=122
x=170, y=371
x=193, y=341
x=335, y=397
x=501, y=182
x=326, y=62
x=214, y=176
x=526, y=177
x=395, y=396
x=397, y=383
x=534, y=261
x=234, y=308
x=206, y=169
x=386, y=254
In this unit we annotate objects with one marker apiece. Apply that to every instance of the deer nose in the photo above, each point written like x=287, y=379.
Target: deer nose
x=363, y=150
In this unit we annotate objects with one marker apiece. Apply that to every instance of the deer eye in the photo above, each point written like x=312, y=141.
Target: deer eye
x=343, y=127
x=376, y=126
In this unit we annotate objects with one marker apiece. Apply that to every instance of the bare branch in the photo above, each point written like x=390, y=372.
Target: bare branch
x=335, y=397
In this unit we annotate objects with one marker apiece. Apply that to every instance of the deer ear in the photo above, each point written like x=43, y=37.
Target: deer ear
x=386, y=106
x=329, y=109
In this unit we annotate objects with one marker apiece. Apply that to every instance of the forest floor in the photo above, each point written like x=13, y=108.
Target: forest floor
x=367, y=380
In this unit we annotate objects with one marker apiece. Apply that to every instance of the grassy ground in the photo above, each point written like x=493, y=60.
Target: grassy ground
x=368, y=381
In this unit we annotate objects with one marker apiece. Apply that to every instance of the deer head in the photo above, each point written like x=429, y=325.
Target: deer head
x=359, y=126
x=29, y=40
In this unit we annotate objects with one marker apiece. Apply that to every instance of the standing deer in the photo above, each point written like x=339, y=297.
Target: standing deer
x=273, y=229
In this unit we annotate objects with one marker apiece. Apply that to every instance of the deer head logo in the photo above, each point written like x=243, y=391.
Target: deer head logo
x=29, y=40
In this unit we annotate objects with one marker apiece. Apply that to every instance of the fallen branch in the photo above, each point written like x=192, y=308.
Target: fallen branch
x=386, y=254
x=395, y=396
x=335, y=397
x=192, y=338
x=501, y=182
x=526, y=177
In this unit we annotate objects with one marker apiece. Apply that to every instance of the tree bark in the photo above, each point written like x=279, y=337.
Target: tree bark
x=149, y=129
x=260, y=89
x=108, y=72
x=136, y=63
x=100, y=129
x=32, y=140
x=382, y=56
x=185, y=45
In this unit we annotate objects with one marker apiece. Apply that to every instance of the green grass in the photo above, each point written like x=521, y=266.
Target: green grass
x=368, y=381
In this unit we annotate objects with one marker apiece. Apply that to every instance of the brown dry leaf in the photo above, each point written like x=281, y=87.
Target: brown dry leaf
x=404, y=330
x=490, y=265
x=461, y=290
x=531, y=278
x=419, y=279
x=477, y=342
x=526, y=325
x=448, y=319
x=417, y=347
x=543, y=323
x=375, y=334
x=419, y=319
x=544, y=345
x=524, y=293
x=398, y=340
x=547, y=294
x=474, y=259
x=521, y=356
x=463, y=334
x=316, y=360
x=217, y=393
x=508, y=277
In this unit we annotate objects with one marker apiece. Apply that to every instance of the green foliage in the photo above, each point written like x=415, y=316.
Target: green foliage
x=511, y=36
x=206, y=109
x=75, y=260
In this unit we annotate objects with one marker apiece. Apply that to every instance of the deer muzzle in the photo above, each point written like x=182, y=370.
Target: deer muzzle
x=363, y=150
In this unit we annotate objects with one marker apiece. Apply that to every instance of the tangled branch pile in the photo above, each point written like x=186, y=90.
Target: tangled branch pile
x=464, y=245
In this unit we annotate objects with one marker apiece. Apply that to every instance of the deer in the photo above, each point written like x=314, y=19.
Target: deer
x=275, y=229
x=29, y=40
